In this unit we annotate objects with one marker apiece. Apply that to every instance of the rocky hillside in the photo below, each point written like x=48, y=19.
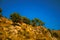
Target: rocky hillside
x=57, y=33
x=22, y=31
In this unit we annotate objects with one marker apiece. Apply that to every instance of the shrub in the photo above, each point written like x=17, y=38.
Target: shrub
x=55, y=34
x=25, y=20
x=37, y=22
x=15, y=17
x=33, y=23
x=0, y=12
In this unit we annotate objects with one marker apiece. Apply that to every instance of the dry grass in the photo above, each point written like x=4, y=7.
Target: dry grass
x=23, y=31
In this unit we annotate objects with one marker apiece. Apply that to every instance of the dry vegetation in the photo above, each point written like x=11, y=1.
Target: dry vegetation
x=22, y=31
x=21, y=28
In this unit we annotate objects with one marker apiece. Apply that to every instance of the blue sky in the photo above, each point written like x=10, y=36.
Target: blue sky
x=46, y=10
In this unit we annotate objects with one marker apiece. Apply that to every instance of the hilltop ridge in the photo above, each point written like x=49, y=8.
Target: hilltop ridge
x=18, y=27
x=23, y=31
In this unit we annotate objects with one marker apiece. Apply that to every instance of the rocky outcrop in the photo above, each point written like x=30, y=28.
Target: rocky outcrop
x=23, y=31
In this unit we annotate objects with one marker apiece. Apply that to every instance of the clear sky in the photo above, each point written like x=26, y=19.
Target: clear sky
x=46, y=10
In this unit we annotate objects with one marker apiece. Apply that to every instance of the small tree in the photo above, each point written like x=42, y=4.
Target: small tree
x=37, y=22
x=40, y=23
x=33, y=23
x=0, y=12
x=15, y=17
x=26, y=20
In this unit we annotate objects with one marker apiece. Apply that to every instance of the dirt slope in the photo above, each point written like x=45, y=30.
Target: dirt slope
x=22, y=31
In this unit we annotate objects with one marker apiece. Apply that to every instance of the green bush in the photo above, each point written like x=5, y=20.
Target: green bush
x=33, y=23
x=0, y=12
x=37, y=22
x=15, y=17
x=25, y=20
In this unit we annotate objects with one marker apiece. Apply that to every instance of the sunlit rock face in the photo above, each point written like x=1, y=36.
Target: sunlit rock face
x=23, y=31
